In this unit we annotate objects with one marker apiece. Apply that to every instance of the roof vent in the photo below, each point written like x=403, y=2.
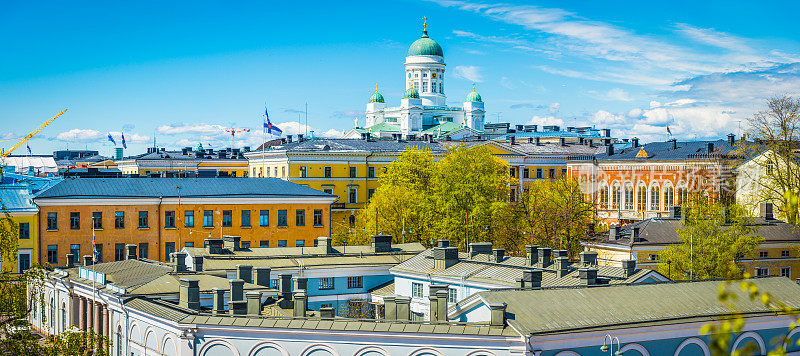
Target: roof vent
x=381, y=243
x=629, y=266
x=189, y=293
x=531, y=255
x=635, y=142
x=479, y=248
x=765, y=211
x=562, y=141
x=613, y=232
x=498, y=314
x=588, y=258
x=214, y=246
x=245, y=272
x=444, y=257
x=324, y=242
x=498, y=254
x=531, y=278
x=610, y=150
x=536, y=139
x=179, y=259
x=562, y=264
x=231, y=243
x=588, y=276
x=544, y=256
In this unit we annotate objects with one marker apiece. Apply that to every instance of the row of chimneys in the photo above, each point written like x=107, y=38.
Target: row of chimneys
x=380, y=243
x=409, y=137
x=561, y=141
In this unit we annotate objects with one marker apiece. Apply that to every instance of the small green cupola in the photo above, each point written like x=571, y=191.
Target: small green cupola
x=473, y=95
x=377, y=97
x=411, y=93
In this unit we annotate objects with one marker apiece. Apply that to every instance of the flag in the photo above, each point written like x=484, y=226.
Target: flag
x=123, y=141
x=94, y=246
x=269, y=127
x=29, y=148
x=112, y=139
x=669, y=131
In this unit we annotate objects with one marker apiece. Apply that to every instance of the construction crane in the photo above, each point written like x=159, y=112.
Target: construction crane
x=233, y=131
x=31, y=134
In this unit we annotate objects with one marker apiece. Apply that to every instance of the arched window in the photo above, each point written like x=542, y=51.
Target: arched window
x=628, y=197
x=655, y=195
x=52, y=313
x=604, y=197
x=669, y=197
x=615, y=197
x=641, y=198
x=63, y=316
x=683, y=196
x=119, y=341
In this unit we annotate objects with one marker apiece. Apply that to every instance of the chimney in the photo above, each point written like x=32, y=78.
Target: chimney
x=675, y=212
x=710, y=147
x=288, y=138
x=498, y=311
x=324, y=242
x=231, y=243
x=326, y=313
x=635, y=142
x=605, y=132
x=498, y=254
x=530, y=139
x=479, y=248
x=403, y=311
x=189, y=294
x=562, y=264
x=441, y=311
x=131, y=252
x=512, y=140
x=560, y=253
x=562, y=141
x=253, y=303
x=237, y=307
x=765, y=211
x=237, y=289
x=444, y=257
x=610, y=150
x=536, y=140
x=245, y=273
x=531, y=255
x=285, y=286
x=87, y=260
x=613, y=232
x=731, y=139
x=262, y=276
x=198, y=263
x=588, y=275
x=588, y=258
x=179, y=260
x=389, y=308
x=218, y=300
x=300, y=283
x=381, y=243
x=70, y=260
x=299, y=137
x=635, y=234
x=629, y=266
x=433, y=306
x=443, y=243
x=531, y=278
x=214, y=246
x=674, y=143
x=544, y=256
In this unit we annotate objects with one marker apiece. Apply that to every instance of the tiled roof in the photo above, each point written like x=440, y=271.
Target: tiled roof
x=663, y=151
x=625, y=306
x=166, y=187
x=352, y=145
x=480, y=270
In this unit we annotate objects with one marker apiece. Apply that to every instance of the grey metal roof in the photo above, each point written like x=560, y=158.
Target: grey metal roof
x=662, y=151
x=342, y=144
x=166, y=187
x=16, y=198
x=564, y=310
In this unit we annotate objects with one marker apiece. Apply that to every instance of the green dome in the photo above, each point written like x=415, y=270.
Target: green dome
x=425, y=46
x=473, y=95
x=412, y=93
x=376, y=98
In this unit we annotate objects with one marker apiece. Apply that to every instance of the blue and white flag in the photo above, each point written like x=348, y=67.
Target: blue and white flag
x=269, y=127
x=94, y=246
x=110, y=138
x=669, y=131
x=29, y=149
x=123, y=141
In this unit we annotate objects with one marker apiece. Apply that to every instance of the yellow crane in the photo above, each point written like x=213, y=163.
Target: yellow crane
x=31, y=134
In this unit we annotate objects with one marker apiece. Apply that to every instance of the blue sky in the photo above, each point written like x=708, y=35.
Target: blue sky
x=183, y=71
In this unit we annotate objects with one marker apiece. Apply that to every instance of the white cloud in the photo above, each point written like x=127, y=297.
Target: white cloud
x=507, y=83
x=471, y=73
x=191, y=128
x=618, y=94
x=545, y=120
x=712, y=37
x=602, y=117
x=554, y=107
x=80, y=135
x=333, y=133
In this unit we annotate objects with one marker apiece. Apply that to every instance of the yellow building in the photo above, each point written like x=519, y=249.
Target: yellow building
x=16, y=201
x=643, y=242
x=186, y=162
x=346, y=168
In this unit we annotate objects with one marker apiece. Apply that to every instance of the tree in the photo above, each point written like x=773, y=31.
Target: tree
x=713, y=236
x=556, y=214
x=775, y=168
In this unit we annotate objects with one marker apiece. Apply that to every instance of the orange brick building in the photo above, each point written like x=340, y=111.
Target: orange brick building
x=163, y=215
x=642, y=182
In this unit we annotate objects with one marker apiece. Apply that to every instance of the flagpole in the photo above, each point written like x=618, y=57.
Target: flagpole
x=264, y=142
x=94, y=276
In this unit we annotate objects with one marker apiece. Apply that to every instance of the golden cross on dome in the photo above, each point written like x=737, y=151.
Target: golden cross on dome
x=425, y=23
x=473, y=86
x=376, y=88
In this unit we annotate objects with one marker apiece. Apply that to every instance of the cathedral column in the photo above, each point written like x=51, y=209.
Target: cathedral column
x=105, y=320
x=97, y=322
x=81, y=313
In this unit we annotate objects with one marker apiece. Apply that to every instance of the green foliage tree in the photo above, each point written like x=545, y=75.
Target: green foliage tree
x=713, y=236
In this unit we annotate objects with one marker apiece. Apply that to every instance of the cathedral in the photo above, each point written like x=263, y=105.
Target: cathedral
x=423, y=110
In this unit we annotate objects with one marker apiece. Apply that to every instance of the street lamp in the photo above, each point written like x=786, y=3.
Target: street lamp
x=610, y=346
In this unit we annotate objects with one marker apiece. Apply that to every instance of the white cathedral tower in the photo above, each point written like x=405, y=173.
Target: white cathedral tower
x=423, y=109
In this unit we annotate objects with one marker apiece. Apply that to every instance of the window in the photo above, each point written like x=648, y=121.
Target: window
x=642, y=199
x=352, y=172
x=424, y=87
x=97, y=220
x=683, y=196
x=351, y=221
x=604, y=197
x=281, y=243
x=653, y=257
x=762, y=271
x=144, y=251
x=263, y=243
x=769, y=168
x=327, y=191
x=784, y=253
x=318, y=217
x=452, y=295
x=552, y=173
x=303, y=171
x=52, y=221
x=352, y=195
x=169, y=219
x=245, y=218
x=188, y=218
x=526, y=172
x=538, y=173
x=328, y=172
x=370, y=193
x=512, y=195
x=119, y=252
x=371, y=172
x=143, y=219
x=191, y=244
x=75, y=250
x=169, y=248
x=74, y=221
x=99, y=249
x=354, y=282
x=52, y=254
x=628, y=197
x=512, y=172
x=263, y=218
x=245, y=244
x=119, y=219
x=669, y=197
x=655, y=194
x=615, y=197
x=24, y=262
x=227, y=218
x=208, y=218
x=416, y=290
x=763, y=254
x=282, y=220
x=283, y=172
x=786, y=272
x=24, y=231
x=440, y=87
x=326, y=283
x=300, y=243
x=300, y=217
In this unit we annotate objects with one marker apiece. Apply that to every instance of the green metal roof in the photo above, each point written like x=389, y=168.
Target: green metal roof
x=385, y=127
x=376, y=98
x=411, y=93
x=425, y=46
x=444, y=129
x=474, y=96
